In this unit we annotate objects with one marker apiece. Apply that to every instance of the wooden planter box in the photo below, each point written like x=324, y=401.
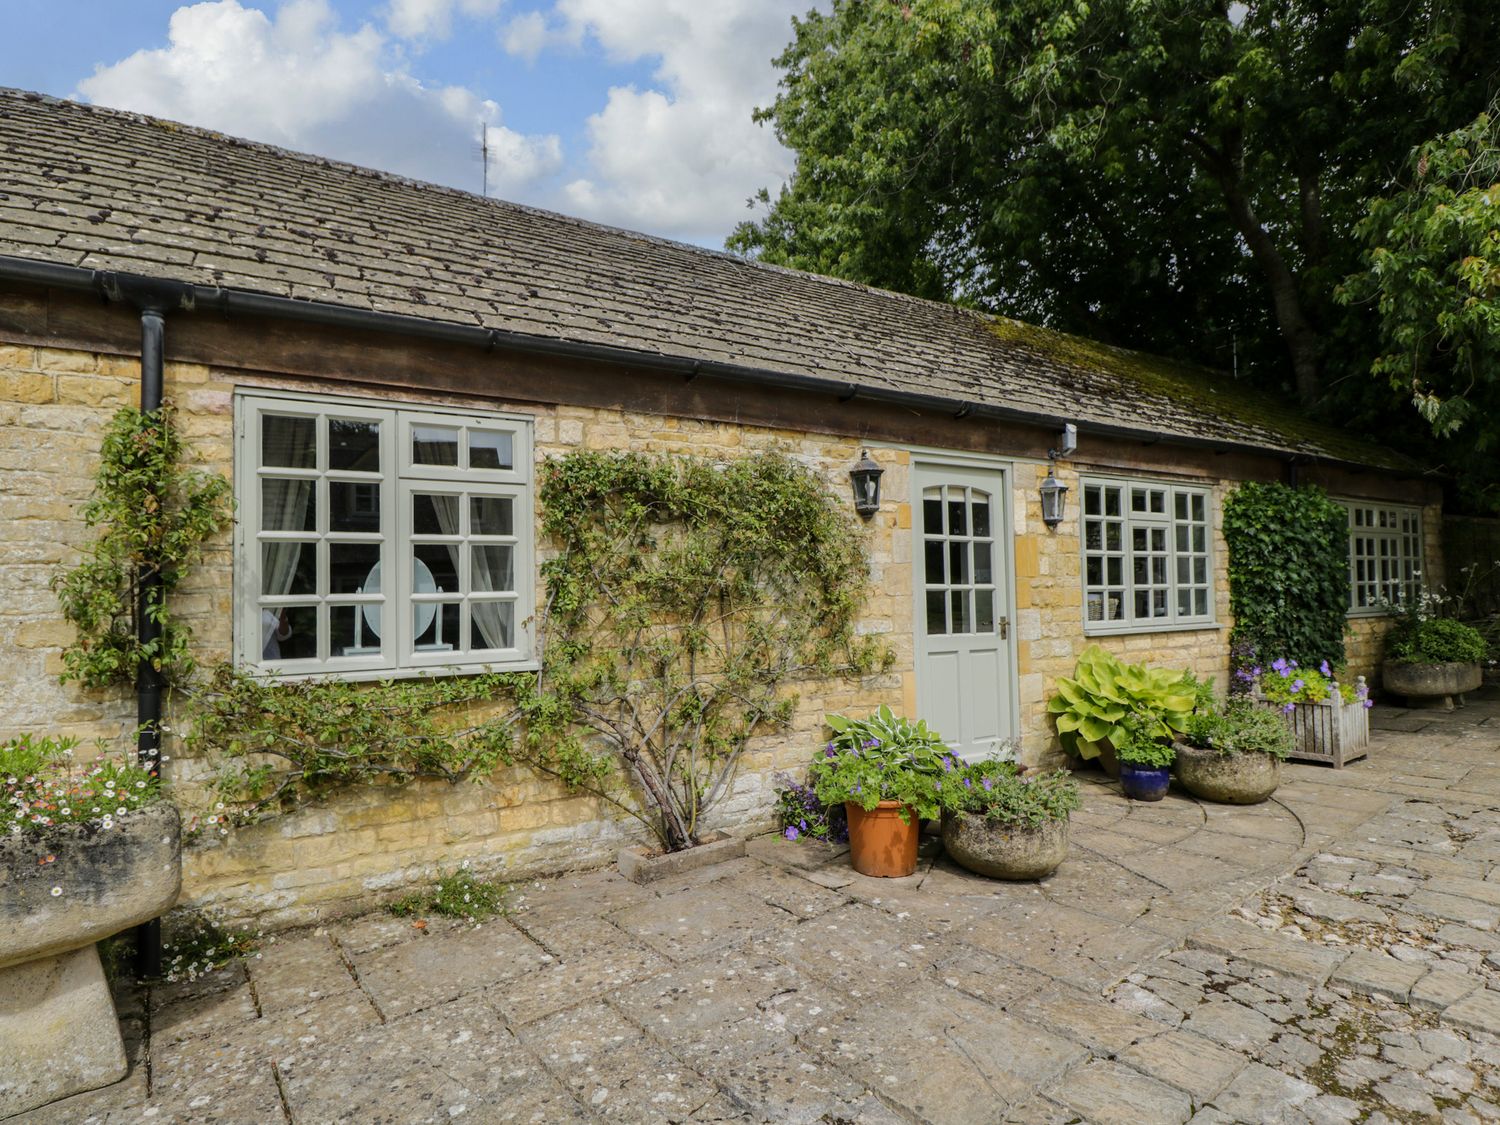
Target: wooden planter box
x=1332, y=731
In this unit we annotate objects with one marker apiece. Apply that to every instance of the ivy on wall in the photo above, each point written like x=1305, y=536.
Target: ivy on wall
x=152, y=516
x=1288, y=573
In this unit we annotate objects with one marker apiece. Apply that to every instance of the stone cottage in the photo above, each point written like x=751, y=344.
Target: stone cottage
x=379, y=365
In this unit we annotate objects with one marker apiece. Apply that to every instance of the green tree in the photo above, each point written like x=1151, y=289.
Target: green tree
x=1119, y=168
x=1433, y=275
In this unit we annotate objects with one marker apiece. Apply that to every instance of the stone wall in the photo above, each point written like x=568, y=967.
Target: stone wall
x=54, y=405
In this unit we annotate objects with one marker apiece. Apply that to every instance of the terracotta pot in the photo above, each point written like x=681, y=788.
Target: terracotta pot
x=880, y=842
x=1004, y=851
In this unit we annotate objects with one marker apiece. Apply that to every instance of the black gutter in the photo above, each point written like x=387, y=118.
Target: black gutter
x=230, y=301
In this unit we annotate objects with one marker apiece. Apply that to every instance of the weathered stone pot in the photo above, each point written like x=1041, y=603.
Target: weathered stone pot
x=1441, y=682
x=60, y=892
x=1004, y=851
x=1229, y=779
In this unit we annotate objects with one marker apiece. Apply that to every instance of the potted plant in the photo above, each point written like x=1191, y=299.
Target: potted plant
x=1091, y=709
x=1232, y=753
x=86, y=850
x=1329, y=720
x=1003, y=821
x=1145, y=761
x=1428, y=656
x=884, y=771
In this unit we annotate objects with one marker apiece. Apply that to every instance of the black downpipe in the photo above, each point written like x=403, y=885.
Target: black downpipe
x=148, y=680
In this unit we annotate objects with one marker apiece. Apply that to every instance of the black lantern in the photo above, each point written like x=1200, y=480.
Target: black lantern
x=1054, y=494
x=865, y=477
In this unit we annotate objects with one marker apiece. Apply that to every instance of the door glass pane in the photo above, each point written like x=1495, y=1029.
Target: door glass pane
x=353, y=506
x=958, y=564
x=981, y=511
x=490, y=449
x=958, y=522
x=984, y=611
x=932, y=512
x=354, y=444
x=434, y=445
x=984, y=552
x=960, y=616
x=490, y=515
x=288, y=505
x=288, y=443
x=932, y=550
x=937, y=617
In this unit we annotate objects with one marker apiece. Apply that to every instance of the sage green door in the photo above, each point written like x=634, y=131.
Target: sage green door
x=964, y=659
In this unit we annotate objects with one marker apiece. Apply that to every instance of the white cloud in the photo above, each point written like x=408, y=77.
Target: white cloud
x=433, y=19
x=300, y=81
x=527, y=35
x=682, y=159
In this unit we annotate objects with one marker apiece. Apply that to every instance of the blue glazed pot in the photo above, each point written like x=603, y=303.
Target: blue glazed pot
x=1145, y=783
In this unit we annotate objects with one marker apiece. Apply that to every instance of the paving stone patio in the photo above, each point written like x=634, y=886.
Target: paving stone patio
x=1330, y=956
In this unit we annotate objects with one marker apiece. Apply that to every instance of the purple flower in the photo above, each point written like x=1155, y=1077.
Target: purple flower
x=1298, y=684
x=790, y=833
x=1279, y=666
x=858, y=788
x=968, y=783
x=1323, y=667
x=1256, y=671
x=1369, y=703
x=1289, y=708
x=830, y=752
x=802, y=824
x=988, y=784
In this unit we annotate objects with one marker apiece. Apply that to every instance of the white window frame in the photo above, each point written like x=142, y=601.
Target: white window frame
x=1380, y=538
x=396, y=654
x=1165, y=521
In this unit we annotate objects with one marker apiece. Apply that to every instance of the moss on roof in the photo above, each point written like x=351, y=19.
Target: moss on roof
x=1215, y=394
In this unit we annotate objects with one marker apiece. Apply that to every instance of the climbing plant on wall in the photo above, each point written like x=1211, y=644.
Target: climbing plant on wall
x=151, y=515
x=685, y=600
x=1288, y=573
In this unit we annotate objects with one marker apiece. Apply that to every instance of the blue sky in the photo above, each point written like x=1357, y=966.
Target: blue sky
x=631, y=112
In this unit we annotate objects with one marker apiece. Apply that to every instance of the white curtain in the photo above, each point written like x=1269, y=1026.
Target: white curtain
x=488, y=617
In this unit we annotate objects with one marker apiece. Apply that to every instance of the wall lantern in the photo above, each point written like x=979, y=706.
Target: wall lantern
x=1054, y=493
x=865, y=477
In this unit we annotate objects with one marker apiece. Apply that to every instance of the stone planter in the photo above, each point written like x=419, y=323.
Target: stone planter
x=1442, y=683
x=1229, y=779
x=1004, y=851
x=60, y=892
x=642, y=865
x=1331, y=731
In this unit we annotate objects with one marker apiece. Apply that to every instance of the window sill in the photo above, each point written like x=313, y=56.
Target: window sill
x=1097, y=630
x=370, y=676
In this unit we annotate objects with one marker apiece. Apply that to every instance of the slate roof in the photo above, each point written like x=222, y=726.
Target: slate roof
x=102, y=189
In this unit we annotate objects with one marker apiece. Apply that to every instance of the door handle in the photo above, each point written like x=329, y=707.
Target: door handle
x=1004, y=624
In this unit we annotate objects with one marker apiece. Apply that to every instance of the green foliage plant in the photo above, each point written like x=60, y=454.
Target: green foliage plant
x=194, y=944
x=685, y=600
x=1142, y=748
x=458, y=894
x=1288, y=573
x=882, y=758
x=1288, y=683
x=272, y=746
x=1240, y=727
x=1440, y=640
x=1106, y=696
x=152, y=516
x=42, y=786
x=1433, y=275
x=1006, y=794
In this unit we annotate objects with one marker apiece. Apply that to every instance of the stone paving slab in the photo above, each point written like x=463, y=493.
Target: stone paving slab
x=1331, y=955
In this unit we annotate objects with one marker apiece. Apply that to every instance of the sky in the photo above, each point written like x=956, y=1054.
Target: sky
x=635, y=113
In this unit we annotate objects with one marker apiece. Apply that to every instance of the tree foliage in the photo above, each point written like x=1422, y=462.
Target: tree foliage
x=1121, y=169
x=1434, y=274
x=1288, y=574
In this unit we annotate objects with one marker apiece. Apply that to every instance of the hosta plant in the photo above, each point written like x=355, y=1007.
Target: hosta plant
x=1106, y=694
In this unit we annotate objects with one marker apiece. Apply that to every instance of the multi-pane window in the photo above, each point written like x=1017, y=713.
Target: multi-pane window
x=958, y=548
x=375, y=539
x=1146, y=559
x=1385, y=555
